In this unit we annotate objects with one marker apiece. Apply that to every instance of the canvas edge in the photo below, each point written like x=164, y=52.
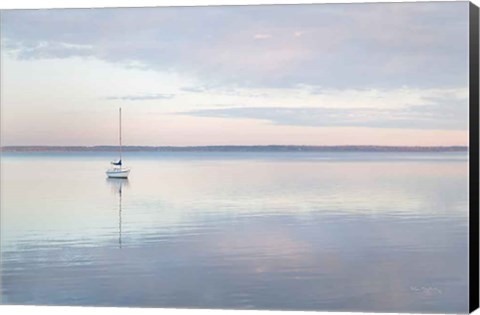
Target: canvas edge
x=474, y=158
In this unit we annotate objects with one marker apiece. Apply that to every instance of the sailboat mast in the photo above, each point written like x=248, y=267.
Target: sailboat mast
x=120, y=131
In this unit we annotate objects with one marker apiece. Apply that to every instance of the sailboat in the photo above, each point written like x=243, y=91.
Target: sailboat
x=118, y=170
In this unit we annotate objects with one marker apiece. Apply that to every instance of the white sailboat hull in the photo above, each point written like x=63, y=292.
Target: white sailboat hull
x=118, y=172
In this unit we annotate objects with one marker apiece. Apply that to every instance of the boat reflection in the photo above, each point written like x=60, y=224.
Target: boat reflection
x=117, y=185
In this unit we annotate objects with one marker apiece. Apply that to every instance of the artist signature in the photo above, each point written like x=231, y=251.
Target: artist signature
x=426, y=291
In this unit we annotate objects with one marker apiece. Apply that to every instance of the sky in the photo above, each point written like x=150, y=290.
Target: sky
x=325, y=74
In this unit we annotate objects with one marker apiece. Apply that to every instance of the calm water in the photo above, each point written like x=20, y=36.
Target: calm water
x=307, y=231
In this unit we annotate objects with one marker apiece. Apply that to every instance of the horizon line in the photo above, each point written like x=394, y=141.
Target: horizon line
x=230, y=148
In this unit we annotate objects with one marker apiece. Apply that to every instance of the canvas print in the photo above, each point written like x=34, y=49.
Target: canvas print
x=280, y=157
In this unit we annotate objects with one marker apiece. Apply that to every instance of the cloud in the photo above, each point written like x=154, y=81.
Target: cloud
x=194, y=89
x=146, y=97
x=334, y=117
x=409, y=109
x=378, y=45
x=50, y=50
x=262, y=36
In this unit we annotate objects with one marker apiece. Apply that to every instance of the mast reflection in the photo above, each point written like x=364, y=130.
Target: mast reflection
x=117, y=185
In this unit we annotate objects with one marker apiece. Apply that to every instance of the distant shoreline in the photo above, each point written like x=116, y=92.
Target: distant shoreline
x=237, y=148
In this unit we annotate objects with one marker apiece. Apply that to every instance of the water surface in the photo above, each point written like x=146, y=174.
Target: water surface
x=308, y=231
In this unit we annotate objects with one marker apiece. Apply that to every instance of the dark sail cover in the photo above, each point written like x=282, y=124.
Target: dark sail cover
x=119, y=163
